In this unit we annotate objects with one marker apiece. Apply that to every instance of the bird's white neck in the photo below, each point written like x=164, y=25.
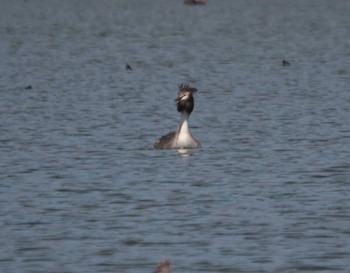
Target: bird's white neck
x=184, y=138
x=183, y=129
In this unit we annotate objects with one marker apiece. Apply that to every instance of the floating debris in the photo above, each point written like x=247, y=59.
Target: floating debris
x=163, y=266
x=285, y=63
x=194, y=2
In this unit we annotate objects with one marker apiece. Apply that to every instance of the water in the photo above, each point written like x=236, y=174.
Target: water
x=83, y=190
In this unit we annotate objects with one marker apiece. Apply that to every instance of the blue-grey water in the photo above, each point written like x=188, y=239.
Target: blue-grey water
x=83, y=190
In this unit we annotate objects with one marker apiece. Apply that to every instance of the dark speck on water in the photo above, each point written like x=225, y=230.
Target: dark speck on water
x=285, y=63
x=83, y=190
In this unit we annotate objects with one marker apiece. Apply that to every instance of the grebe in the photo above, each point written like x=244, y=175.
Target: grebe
x=163, y=266
x=182, y=138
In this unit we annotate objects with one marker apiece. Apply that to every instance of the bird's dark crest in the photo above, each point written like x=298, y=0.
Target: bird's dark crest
x=186, y=87
x=187, y=104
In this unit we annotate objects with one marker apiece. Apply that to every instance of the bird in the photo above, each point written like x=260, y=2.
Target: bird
x=181, y=138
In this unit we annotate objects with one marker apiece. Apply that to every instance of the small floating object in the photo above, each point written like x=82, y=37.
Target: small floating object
x=163, y=266
x=28, y=87
x=194, y=2
x=285, y=63
x=128, y=67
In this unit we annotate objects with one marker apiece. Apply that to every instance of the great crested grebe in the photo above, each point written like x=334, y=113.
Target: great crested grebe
x=182, y=138
x=163, y=266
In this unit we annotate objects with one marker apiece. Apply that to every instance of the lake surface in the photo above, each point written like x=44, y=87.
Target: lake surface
x=83, y=190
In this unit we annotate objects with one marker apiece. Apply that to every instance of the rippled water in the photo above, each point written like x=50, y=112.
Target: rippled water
x=83, y=190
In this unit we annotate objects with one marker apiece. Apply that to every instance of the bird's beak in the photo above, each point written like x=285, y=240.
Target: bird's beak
x=179, y=98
